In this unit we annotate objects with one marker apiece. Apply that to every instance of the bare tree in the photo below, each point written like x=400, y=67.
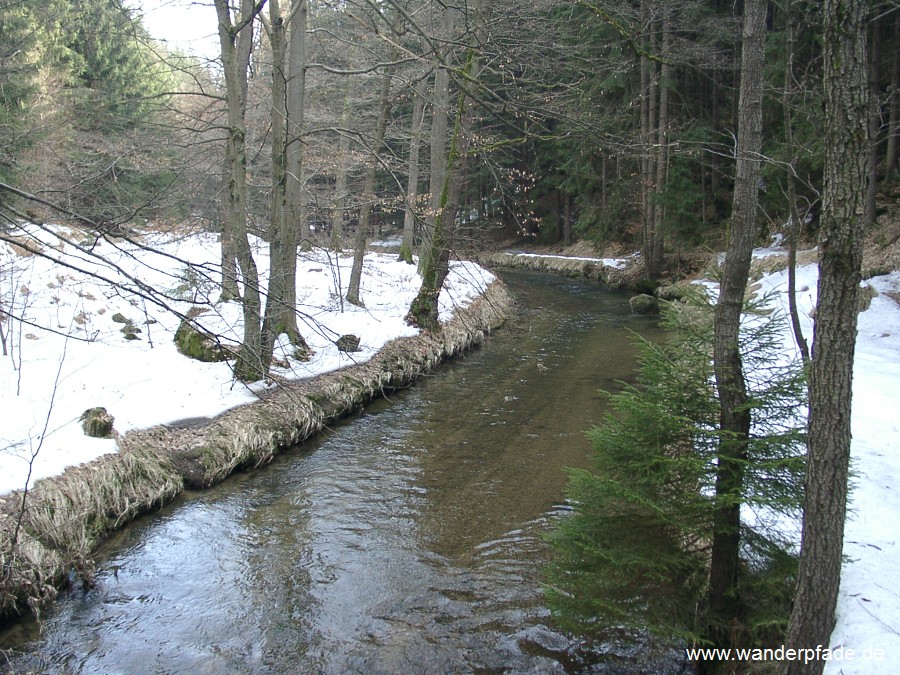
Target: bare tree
x=834, y=339
x=734, y=411
x=248, y=365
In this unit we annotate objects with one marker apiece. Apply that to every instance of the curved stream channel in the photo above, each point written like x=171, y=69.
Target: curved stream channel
x=405, y=540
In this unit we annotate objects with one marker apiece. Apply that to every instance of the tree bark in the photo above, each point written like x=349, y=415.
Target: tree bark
x=662, y=155
x=890, y=163
x=296, y=115
x=247, y=366
x=834, y=340
x=648, y=125
x=434, y=259
x=438, y=159
x=412, y=183
x=368, y=195
x=339, y=200
x=734, y=415
x=230, y=290
x=874, y=127
x=281, y=299
x=795, y=222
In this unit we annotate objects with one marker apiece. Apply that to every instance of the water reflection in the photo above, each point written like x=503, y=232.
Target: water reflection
x=408, y=539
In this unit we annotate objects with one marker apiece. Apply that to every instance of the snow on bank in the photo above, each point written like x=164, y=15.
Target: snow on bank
x=868, y=612
x=47, y=379
x=146, y=382
x=615, y=263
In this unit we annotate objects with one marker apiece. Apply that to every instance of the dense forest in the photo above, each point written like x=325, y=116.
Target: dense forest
x=573, y=119
x=664, y=126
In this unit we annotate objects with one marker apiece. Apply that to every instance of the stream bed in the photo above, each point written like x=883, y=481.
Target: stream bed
x=407, y=539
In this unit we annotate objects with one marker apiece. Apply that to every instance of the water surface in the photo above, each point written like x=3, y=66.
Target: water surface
x=405, y=540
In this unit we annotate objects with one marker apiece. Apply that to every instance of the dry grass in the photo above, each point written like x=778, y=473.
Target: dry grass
x=65, y=518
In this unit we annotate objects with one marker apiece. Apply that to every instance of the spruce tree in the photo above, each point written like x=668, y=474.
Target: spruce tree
x=634, y=554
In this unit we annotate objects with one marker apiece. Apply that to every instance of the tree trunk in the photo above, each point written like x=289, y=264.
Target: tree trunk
x=230, y=290
x=434, y=259
x=890, y=164
x=247, y=366
x=795, y=222
x=874, y=127
x=339, y=200
x=662, y=155
x=296, y=115
x=368, y=195
x=734, y=416
x=648, y=124
x=296, y=223
x=412, y=183
x=438, y=162
x=281, y=299
x=834, y=341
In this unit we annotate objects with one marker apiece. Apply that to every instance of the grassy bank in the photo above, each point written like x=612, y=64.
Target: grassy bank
x=52, y=530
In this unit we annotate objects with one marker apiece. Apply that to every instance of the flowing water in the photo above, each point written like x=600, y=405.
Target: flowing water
x=405, y=540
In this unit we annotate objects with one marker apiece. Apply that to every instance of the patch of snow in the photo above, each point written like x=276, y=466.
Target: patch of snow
x=48, y=379
x=615, y=263
x=868, y=611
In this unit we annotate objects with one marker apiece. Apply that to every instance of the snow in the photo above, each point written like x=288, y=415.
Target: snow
x=615, y=263
x=48, y=380
x=868, y=611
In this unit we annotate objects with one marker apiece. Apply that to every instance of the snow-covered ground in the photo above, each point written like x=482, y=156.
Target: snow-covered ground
x=615, y=263
x=868, y=612
x=48, y=379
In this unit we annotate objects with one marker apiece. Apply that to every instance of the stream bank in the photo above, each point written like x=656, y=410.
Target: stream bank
x=60, y=522
x=408, y=538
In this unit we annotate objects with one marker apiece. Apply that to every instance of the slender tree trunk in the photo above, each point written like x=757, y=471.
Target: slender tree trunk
x=795, y=223
x=339, y=201
x=300, y=235
x=874, y=127
x=368, y=195
x=247, y=366
x=648, y=125
x=734, y=415
x=281, y=299
x=243, y=48
x=434, y=259
x=834, y=341
x=230, y=290
x=662, y=155
x=412, y=183
x=296, y=224
x=890, y=164
x=438, y=160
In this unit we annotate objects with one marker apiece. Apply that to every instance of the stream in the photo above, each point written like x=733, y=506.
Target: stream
x=407, y=539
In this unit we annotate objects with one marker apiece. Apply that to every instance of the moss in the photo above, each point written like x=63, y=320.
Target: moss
x=198, y=345
x=97, y=423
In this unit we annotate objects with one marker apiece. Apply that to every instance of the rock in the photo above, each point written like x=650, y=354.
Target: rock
x=118, y=317
x=864, y=299
x=644, y=304
x=97, y=423
x=673, y=292
x=348, y=343
x=130, y=331
x=199, y=345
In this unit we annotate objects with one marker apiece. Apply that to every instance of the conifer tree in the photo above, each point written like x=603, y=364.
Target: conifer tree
x=634, y=553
